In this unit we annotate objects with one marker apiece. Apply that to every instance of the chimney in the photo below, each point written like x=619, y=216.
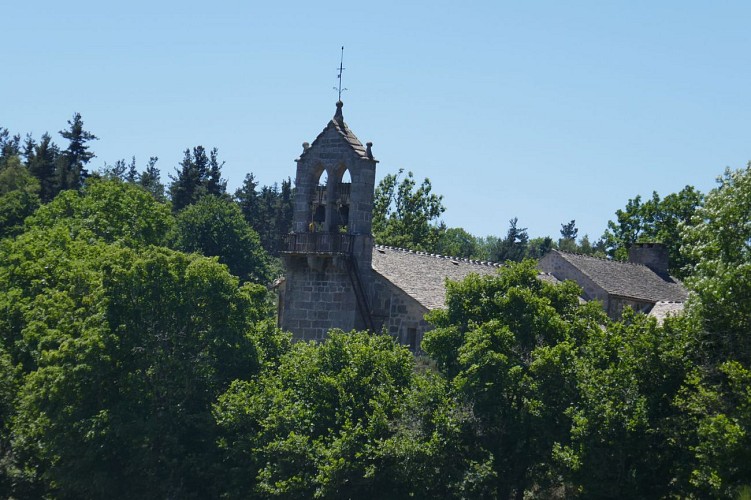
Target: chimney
x=652, y=255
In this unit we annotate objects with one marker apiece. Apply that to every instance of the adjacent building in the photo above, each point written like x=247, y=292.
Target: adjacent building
x=641, y=283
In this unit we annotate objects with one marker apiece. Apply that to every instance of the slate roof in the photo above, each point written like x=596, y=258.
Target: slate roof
x=341, y=128
x=626, y=279
x=422, y=276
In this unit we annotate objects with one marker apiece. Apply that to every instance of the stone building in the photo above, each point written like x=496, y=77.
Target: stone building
x=334, y=275
x=336, y=278
x=328, y=254
x=643, y=283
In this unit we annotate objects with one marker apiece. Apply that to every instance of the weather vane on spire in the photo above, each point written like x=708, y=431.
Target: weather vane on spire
x=341, y=69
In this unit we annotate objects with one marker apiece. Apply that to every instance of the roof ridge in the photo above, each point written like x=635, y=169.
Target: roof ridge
x=439, y=256
x=602, y=259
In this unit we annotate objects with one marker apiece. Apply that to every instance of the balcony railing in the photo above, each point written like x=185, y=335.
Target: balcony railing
x=321, y=243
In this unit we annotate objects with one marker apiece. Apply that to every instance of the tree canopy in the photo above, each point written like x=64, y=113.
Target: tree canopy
x=407, y=216
x=655, y=220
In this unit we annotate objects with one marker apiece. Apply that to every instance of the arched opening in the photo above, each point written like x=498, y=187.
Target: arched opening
x=343, y=190
x=318, y=203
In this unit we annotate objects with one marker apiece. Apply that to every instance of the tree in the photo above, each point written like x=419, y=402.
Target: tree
x=656, y=220
x=567, y=242
x=214, y=183
x=132, y=174
x=215, y=227
x=247, y=199
x=9, y=381
x=457, y=242
x=538, y=247
x=124, y=352
x=150, y=180
x=718, y=241
x=623, y=437
x=715, y=398
x=197, y=176
x=42, y=164
x=10, y=146
x=19, y=196
x=407, y=217
x=514, y=246
x=114, y=350
x=72, y=169
x=108, y=210
x=311, y=427
x=507, y=343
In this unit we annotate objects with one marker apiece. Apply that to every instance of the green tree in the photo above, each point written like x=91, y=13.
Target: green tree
x=10, y=145
x=123, y=352
x=72, y=167
x=654, y=220
x=507, y=345
x=716, y=397
x=19, y=196
x=718, y=240
x=457, y=242
x=110, y=210
x=150, y=180
x=42, y=164
x=9, y=382
x=567, y=242
x=246, y=197
x=538, y=247
x=310, y=427
x=405, y=216
x=199, y=174
x=624, y=421
x=215, y=227
x=514, y=246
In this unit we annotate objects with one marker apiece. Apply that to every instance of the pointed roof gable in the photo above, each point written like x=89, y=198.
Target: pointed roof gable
x=339, y=128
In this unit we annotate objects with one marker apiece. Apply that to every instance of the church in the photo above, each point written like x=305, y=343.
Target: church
x=336, y=277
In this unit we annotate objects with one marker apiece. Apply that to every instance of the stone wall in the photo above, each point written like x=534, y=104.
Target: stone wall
x=398, y=313
x=618, y=304
x=563, y=270
x=316, y=296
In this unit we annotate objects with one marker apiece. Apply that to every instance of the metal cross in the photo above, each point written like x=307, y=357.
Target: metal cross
x=341, y=69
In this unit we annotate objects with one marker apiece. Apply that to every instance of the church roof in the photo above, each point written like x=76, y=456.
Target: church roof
x=626, y=279
x=423, y=276
x=339, y=127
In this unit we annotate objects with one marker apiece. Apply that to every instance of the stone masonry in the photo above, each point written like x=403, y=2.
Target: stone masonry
x=329, y=253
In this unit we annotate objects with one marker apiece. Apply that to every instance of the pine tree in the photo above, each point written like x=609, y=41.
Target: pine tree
x=132, y=174
x=197, y=176
x=10, y=146
x=72, y=171
x=43, y=165
x=29, y=146
x=247, y=199
x=214, y=183
x=150, y=180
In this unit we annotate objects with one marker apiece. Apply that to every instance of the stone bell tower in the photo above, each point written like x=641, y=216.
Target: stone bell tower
x=328, y=255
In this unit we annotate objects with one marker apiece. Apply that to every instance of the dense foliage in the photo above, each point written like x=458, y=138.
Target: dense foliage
x=655, y=220
x=405, y=215
x=139, y=356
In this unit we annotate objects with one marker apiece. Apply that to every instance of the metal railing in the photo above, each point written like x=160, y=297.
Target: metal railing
x=326, y=243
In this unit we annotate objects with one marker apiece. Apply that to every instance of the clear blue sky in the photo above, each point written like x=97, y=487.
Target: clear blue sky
x=545, y=111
